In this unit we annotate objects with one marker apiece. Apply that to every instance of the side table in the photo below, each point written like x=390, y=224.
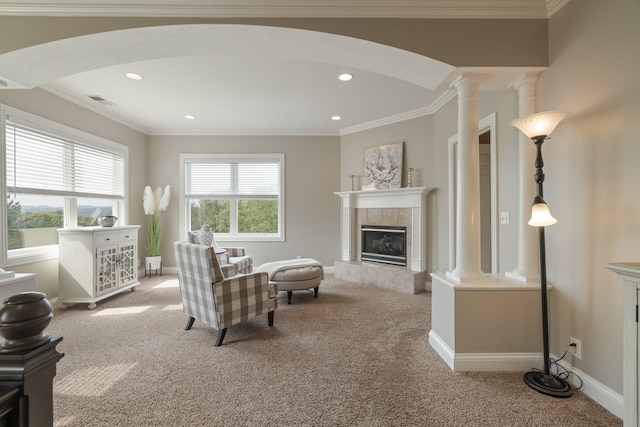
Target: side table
x=31, y=372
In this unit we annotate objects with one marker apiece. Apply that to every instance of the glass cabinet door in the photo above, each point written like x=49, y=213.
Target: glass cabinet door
x=127, y=264
x=107, y=269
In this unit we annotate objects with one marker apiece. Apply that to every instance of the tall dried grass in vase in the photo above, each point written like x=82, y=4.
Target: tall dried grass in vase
x=154, y=202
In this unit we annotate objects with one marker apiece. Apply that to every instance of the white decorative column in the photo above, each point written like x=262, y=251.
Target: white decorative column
x=528, y=268
x=462, y=332
x=467, y=262
x=347, y=223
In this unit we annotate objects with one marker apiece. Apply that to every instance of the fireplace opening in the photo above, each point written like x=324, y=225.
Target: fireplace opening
x=385, y=244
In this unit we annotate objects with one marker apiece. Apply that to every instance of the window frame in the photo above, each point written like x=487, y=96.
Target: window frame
x=41, y=253
x=185, y=206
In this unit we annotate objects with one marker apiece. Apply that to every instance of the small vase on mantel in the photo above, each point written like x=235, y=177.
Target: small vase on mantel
x=409, y=177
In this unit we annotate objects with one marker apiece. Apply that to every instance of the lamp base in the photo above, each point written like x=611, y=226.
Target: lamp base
x=548, y=384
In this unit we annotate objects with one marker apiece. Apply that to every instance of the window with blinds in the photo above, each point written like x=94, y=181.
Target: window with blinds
x=41, y=162
x=54, y=177
x=239, y=196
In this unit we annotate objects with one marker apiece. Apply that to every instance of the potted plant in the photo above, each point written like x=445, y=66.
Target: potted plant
x=154, y=202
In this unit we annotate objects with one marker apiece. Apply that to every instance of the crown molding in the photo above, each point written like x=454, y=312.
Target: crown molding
x=436, y=9
x=420, y=112
x=236, y=132
x=84, y=103
x=555, y=5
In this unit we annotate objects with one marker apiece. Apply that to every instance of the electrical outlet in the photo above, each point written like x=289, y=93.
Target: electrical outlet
x=576, y=345
x=504, y=218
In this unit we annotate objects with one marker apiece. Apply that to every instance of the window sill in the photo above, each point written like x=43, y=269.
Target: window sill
x=30, y=255
x=221, y=237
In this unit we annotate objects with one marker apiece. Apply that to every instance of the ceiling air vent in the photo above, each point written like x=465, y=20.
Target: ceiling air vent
x=101, y=100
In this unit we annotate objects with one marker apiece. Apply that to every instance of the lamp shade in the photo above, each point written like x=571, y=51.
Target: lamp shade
x=539, y=124
x=540, y=215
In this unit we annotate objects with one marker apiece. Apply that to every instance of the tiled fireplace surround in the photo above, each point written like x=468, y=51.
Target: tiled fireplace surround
x=399, y=207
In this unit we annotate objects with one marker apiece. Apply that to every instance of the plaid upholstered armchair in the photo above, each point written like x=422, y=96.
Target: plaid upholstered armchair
x=218, y=301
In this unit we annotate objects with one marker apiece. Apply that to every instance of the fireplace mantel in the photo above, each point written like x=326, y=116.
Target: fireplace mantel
x=408, y=197
x=413, y=198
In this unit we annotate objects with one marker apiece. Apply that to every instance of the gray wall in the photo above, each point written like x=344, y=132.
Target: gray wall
x=459, y=42
x=426, y=151
x=592, y=175
x=591, y=163
x=312, y=227
x=48, y=106
x=417, y=135
x=312, y=211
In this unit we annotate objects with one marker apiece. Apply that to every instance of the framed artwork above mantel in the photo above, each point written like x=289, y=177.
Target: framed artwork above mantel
x=382, y=168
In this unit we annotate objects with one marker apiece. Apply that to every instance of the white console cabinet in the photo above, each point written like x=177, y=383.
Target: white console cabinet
x=629, y=273
x=97, y=262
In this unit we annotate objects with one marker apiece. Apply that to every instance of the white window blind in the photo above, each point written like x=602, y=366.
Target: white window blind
x=232, y=178
x=203, y=179
x=258, y=178
x=42, y=162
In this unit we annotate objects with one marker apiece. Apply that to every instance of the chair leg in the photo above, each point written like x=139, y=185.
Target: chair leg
x=270, y=317
x=221, y=334
x=316, y=291
x=189, y=323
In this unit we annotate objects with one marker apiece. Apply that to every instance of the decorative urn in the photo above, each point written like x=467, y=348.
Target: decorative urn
x=206, y=235
x=23, y=319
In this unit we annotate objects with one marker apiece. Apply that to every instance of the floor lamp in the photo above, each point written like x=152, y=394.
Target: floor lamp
x=538, y=127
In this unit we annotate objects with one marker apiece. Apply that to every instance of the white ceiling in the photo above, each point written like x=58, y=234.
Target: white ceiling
x=239, y=79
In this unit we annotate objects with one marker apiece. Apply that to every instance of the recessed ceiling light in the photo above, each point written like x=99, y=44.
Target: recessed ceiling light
x=336, y=118
x=134, y=76
x=345, y=77
x=189, y=117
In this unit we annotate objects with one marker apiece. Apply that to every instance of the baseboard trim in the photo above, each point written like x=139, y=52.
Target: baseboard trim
x=165, y=270
x=603, y=395
x=467, y=362
x=483, y=362
x=55, y=303
x=443, y=350
x=174, y=270
x=487, y=362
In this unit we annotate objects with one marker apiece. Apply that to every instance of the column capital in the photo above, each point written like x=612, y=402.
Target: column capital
x=467, y=80
x=523, y=80
x=525, y=85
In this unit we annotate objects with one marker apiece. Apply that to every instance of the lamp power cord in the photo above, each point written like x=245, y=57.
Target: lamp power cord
x=562, y=373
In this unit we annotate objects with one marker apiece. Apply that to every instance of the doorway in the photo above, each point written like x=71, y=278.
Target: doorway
x=485, y=202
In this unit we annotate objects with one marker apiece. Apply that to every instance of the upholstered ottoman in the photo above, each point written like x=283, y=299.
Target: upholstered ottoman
x=294, y=275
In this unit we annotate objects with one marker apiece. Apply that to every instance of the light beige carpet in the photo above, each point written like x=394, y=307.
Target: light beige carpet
x=356, y=356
